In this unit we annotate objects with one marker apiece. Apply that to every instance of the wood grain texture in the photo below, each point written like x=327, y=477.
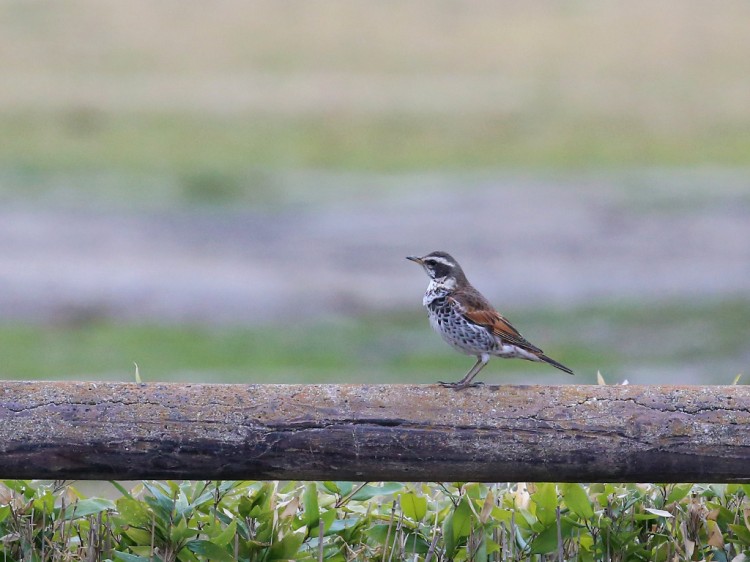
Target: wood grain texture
x=77, y=430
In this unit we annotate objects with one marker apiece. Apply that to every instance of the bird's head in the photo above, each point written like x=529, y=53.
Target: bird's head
x=441, y=267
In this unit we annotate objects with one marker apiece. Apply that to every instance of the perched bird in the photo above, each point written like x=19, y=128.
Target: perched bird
x=468, y=322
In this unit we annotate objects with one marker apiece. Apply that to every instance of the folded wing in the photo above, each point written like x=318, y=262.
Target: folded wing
x=477, y=311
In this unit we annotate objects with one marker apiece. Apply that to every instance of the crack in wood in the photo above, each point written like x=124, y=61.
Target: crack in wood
x=372, y=432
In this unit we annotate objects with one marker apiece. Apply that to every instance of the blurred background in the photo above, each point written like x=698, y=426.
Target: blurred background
x=225, y=191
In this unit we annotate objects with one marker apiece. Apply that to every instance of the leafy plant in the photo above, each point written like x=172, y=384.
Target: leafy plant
x=345, y=521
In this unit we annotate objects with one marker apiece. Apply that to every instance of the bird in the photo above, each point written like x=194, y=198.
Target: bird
x=468, y=322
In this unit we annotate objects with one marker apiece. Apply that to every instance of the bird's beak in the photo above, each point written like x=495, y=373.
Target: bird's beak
x=415, y=259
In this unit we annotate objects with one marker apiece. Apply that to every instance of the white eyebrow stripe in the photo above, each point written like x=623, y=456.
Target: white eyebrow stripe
x=441, y=260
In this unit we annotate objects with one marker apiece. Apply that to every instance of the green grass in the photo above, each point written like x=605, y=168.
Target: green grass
x=685, y=342
x=207, y=99
x=204, y=151
x=148, y=159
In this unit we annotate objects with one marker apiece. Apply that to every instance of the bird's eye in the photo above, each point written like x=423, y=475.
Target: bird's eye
x=430, y=262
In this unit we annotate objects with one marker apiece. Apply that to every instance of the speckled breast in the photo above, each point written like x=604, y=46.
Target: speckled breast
x=465, y=336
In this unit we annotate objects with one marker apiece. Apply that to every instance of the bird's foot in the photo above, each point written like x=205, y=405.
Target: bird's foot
x=459, y=385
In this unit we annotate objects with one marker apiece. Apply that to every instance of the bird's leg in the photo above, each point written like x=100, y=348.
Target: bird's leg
x=465, y=382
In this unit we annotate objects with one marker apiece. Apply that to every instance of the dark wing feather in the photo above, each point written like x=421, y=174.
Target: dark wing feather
x=477, y=310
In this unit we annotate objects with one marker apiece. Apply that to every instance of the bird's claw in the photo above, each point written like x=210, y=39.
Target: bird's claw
x=459, y=386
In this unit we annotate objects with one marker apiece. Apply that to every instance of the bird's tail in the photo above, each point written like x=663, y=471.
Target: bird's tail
x=554, y=363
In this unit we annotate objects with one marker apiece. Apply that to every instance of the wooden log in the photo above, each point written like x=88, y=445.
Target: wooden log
x=77, y=430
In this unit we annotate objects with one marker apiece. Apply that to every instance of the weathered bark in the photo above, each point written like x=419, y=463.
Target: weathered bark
x=57, y=430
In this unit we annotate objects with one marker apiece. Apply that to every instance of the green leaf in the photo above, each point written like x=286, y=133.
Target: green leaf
x=450, y=542
x=416, y=544
x=378, y=533
x=182, y=507
x=719, y=556
x=226, y=536
x=481, y=552
x=90, y=506
x=368, y=492
x=120, y=488
x=148, y=553
x=134, y=513
x=210, y=550
x=45, y=501
x=413, y=506
x=329, y=519
x=546, y=541
x=138, y=536
x=502, y=514
x=457, y=525
x=288, y=547
x=527, y=520
x=180, y=532
x=462, y=519
x=265, y=495
x=491, y=545
x=332, y=487
x=545, y=499
x=245, y=506
x=125, y=557
x=343, y=488
x=577, y=500
x=161, y=503
x=311, y=513
x=340, y=524
x=475, y=490
x=725, y=517
x=679, y=492
x=742, y=533
x=23, y=487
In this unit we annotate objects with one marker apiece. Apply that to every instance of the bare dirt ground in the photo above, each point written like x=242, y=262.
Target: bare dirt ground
x=524, y=242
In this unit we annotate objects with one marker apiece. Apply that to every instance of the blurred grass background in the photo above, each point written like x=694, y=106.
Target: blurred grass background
x=393, y=348
x=168, y=87
x=257, y=105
